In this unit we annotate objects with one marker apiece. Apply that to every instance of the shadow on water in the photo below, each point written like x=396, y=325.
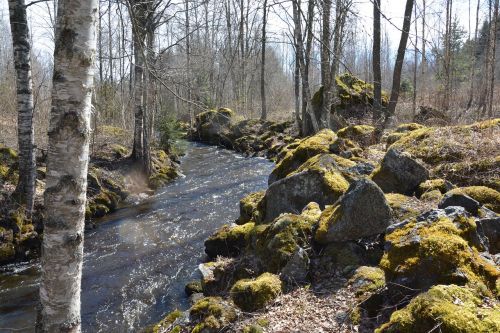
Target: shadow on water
x=137, y=263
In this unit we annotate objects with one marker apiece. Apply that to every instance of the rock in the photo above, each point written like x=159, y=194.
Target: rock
x=301, y=152
x=462, y=200
x=430, y=185
x=399, y=173
x=213, y=126
x=363, y=211
x=364, y=135
x=297, y=267
x=249, y=208
x=486, y=196
x=367, y=280
x=170, y=323
x=404, y=207
x=193, y=287
x=437, y=247
x=251, y=295
x=431, y=116
x=489, y=230
x=211, y=314
x=293, y=193
x=450, y=308
x=228, y=241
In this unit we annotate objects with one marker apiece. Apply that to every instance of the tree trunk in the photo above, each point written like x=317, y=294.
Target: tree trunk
x=493, y=58
x=473, y=60
x=377, y=72
x=263, y=115
x=67, y=164
x=325, y=64
x=25, y=189
x=415, y=66
x=398, y=66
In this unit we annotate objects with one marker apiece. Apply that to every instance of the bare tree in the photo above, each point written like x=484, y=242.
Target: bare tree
x=67, y=164
x=263, y=115
x=25, y=189
x=398, y=66
x=377, y=73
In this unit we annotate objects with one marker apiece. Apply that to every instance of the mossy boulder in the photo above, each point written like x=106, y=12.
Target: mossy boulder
x=403, y=206
x=193, y=287
x=401, y=131
x=364, y=135
x=438, y=247
x=278, y=243
x=213, y=126
x=447, y=308
x=399, y=173
x=163, y=169
x=367, y=280
x=8, y=165
x=438, y=184
x=211, y=314
x=363, y=211
x=251, y=208
x=301, y=152
x=486, y=196
x=169, y=324
x=317, y=180
x=228, y=241
x=464, y=155
x=254, y=294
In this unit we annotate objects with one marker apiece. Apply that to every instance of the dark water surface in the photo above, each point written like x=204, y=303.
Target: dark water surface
x=137, y=263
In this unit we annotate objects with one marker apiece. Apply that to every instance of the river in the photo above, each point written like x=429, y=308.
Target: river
x=138, y=260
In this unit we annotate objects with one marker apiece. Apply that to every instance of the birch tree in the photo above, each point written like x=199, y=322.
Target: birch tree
x=24, y=97
x=67, y=164
x=377, y=72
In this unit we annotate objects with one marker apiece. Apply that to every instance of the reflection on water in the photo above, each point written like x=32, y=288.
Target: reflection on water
x=137, y=263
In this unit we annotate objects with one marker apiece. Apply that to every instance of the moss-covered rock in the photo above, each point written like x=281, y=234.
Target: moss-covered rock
x=367, y=280
x=399, y=173
x=404, y=207
x=303, y=151
x=447, y=308
x=254, y=294
x=213, y=126
x=228, y=241
x=250, y=208
x=364, y=135
x=319, y=180
x=486, y=196
x=276, y=244
x=464, y=155
x=211, y=314
x=167, y=324
x=438, y=249
x=361, y=212
x=401, y=131
x=439, y=184
x=163, y=169
x=8, y=165
x=193, y=287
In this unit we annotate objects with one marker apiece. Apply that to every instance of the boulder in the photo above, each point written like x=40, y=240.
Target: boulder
x=489, y=230
x=486, y=196
x=364, y=135
x=449, y=308
x=228, y=241
x=399, y=173
x=211, y=314
x=438, y=247
x=249, y=208
x=254, y=294
x=462, y=200
x=297, y=267
x=301, y=152
x=363, y=211
x=213, y=126
x=320, y=183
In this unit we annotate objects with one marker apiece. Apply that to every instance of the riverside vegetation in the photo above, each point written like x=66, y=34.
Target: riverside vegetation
x=355, y=234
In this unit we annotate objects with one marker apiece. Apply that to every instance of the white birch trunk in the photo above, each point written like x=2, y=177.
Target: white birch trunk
x=22, y=59
x=67, y=163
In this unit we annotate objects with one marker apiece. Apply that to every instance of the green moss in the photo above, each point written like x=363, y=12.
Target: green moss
x=438, y=252
x=193, y=287
x=275, y=244
x=361, y=134
x=433, y=184
x=403, y=207
x=485, y=195
x=252, y=295
x=165, y=325
x=307, y=148
x=434, y=195
x=367, y=280
x=211, y=314
x=112, y=131
x=330, y=215
x=449, y=308
x=249, y=208
x=254, y=328
x=7, y=252
x=119, y=150
x=408, y=127
x=229, y=241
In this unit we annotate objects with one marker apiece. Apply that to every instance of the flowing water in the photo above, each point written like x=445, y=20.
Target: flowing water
x=137, y=262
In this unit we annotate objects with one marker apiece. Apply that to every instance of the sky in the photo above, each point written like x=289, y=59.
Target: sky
x=393, y=10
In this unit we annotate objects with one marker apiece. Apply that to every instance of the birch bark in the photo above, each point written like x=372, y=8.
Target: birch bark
x=67, y=164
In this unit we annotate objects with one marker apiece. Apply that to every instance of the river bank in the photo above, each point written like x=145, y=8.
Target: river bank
x=355, y=235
